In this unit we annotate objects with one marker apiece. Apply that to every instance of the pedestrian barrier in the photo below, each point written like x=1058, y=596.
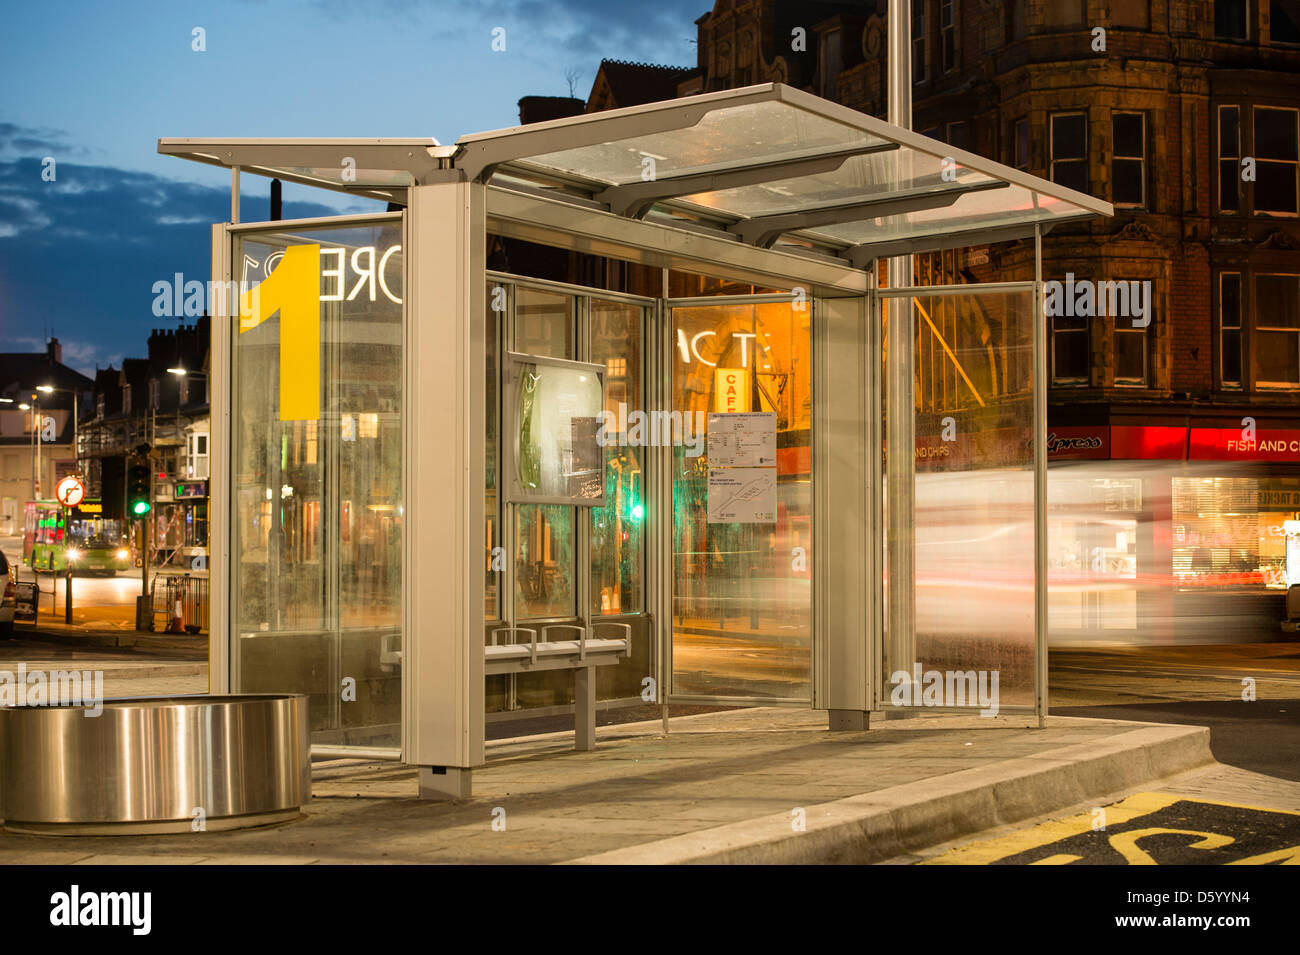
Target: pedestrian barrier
x=180, y=603
x=27, y=597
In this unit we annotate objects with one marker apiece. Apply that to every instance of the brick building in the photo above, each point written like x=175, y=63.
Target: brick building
x=29, y=414
x=1175, y=443
x=145, y=402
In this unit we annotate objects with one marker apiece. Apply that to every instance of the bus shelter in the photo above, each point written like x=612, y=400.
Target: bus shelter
x=598, y=414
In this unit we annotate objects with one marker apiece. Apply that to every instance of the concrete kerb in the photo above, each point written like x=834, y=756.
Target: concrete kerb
x=880, y=825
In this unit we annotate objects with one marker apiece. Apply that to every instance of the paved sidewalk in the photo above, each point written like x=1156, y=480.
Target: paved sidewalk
x=738, y=786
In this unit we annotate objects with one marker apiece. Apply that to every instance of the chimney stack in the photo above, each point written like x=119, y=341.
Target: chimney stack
x=55, y=351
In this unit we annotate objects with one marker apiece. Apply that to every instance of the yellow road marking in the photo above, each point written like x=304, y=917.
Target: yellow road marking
x=1139, y=804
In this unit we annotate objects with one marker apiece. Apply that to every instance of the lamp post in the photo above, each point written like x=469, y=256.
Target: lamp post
x=67, y=512
x=35, y=408
x=182, y=372
x=76, y=451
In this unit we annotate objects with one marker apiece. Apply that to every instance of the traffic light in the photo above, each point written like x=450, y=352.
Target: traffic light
x=636, y=510
x=138, y=503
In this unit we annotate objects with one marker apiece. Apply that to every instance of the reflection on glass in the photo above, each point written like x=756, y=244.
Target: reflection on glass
x=317, y=504
x=617, y=528
x=543, y=323
x=742, y=601
x=493, y=560
x=974, y=519
x=543, y=561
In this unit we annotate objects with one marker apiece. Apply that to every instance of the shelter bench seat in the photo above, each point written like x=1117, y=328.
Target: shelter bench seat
x=580, y=653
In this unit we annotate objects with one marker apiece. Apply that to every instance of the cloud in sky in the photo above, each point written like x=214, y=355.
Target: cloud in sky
x=585, y=31
x=79, y=256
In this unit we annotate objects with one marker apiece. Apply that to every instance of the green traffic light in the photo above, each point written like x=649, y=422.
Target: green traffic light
x=638, y=512
x=140, y=508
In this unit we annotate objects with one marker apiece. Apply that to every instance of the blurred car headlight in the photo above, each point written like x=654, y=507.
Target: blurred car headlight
x=123, y=554
x=74, y=554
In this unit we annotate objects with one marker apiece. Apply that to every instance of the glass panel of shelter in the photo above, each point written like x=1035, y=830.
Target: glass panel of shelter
x=549, y=563
x=974, y=559
x=316, y=529
x=556, y=563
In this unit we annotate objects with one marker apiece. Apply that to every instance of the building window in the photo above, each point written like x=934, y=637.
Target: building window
x=1070, y=350
x=153, y=393
x=1284, y=21
x=1230, y=329
x=1230, y=19
x=1277, y=330
x=1229, y=159
x=1128, y=161
x=958, y=135
x=1277, y=161
x=1069, y=164
x=948, y=34
x=1064, y=14
x=831, y=62
x=126, y=399
x=1228, y=531
x=920, y=71
x=1135, y=14
x=1131, y=348
x=196, y=468
x=1020, y=144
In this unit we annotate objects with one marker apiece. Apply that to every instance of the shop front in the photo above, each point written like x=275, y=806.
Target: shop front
x=1172, y=533
x=615, y=386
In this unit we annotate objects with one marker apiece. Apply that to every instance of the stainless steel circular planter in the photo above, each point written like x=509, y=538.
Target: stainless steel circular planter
x=155, y=765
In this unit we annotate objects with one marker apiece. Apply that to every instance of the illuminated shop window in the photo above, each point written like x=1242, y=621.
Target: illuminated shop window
x=1228, y=532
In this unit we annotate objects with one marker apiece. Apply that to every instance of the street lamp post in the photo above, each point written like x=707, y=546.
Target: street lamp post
x=35, y=408
x=76, y=451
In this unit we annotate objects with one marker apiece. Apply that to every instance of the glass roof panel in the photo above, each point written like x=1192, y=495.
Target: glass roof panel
x=974, y=211
x=753, y=133
x=860, y=179
x=753, y=153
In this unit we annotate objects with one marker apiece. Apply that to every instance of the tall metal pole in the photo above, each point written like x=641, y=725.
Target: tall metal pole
x=900, y=468
x=35, y=414
x=1040, y=484
x=40, y=421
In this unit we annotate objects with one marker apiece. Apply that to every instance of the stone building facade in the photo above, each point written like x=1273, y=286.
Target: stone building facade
x=1175, y=445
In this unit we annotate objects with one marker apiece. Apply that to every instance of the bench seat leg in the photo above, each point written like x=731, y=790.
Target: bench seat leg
x=584, y=708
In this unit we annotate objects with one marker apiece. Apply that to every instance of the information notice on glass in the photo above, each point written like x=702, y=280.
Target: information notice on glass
x=742, y=495
x=742, y=468
x=742, y=439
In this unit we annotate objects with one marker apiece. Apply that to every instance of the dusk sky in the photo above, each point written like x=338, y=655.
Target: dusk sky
x=93, y=85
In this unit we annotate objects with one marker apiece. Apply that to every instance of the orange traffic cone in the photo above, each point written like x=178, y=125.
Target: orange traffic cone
x=178, y=618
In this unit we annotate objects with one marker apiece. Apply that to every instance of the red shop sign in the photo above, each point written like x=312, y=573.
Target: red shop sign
x=1238, y=444
x=1072, y=443
x=1148, y=442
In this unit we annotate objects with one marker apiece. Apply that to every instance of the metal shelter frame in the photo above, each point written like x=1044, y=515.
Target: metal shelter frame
x=768, y=185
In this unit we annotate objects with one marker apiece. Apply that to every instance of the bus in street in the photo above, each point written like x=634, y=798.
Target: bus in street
x=55, y=536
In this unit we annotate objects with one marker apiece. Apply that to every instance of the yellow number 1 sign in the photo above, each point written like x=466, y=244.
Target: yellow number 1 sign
x=293, y=290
